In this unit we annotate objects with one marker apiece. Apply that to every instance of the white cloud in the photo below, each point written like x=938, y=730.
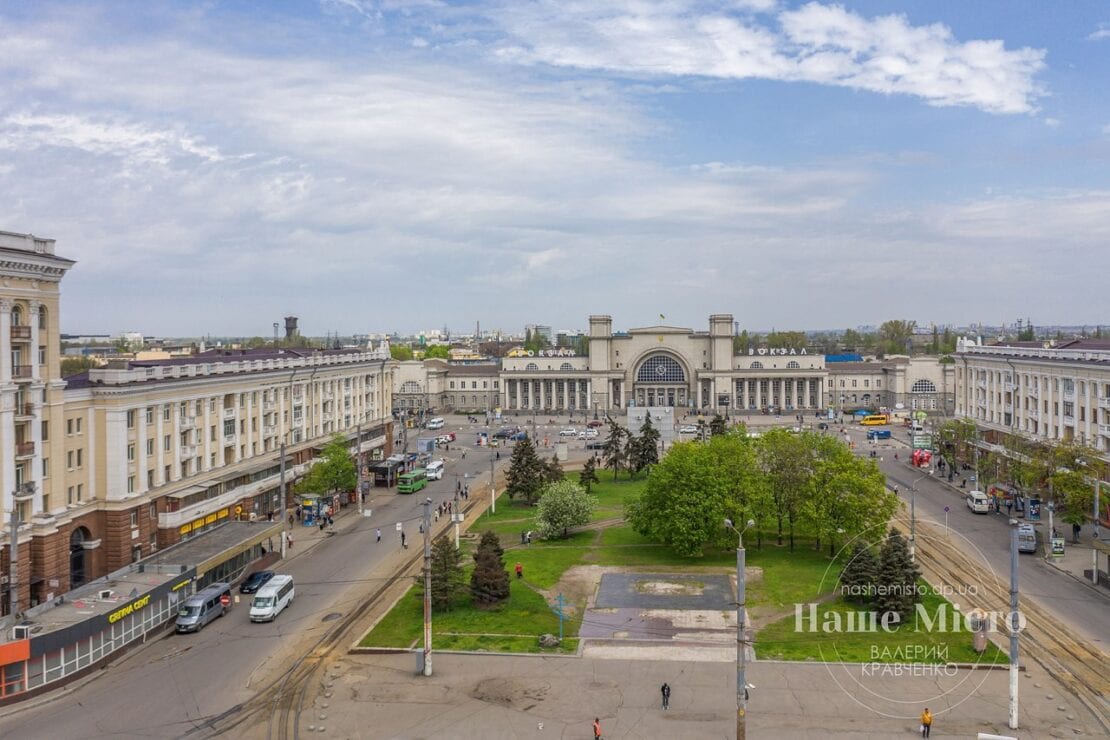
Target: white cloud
x=1102, y=32
x=824, y=44
x=1052, y=122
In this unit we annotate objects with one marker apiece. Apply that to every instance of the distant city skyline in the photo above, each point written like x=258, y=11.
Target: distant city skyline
x=377, y=163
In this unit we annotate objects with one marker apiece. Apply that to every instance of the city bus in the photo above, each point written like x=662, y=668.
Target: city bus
x=875, y=420
x=412, y=482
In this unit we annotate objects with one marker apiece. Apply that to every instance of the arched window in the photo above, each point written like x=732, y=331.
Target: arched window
x=757, y=365
x=566, y=366
x=42, y=317
x=531, y=366
x=660, y=369
x=17, y=316
x=792, y=365
x=923, y=386
x=410, y=386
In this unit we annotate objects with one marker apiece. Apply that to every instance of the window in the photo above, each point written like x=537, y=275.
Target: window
x=46, y=467
x=70, y=499
x=149, y=414
x=79, y=456
x=136, y=553
x=474, y=384
x=45, y=434
x=150, y=447
x=131, y=452
x=531, y=366
x=854, y=382
x=79, y=424
x=923, y=386
x=131, y=488
x=660, y=369
x=866, y=383
x=80, y=492
x=756, y=365
x=166, y=443
x=69, y=426
x=42, y=317
x=166, y=413
x=451, y=384
x=130, y=419
x=42, y=355
x=150, y=479
x=166, y=473
x=793, y=365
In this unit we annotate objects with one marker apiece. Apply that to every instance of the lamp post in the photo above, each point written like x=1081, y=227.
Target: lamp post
x=427, y=587
x=741, y=656
x=27, y=490
x=1014, y=625
x=913, y=514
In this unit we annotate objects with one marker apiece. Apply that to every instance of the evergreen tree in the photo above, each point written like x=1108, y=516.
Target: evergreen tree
x=552, y=470
x=588, y=474
x=489, y=581
x=717, y=425
x=649, y=444
x=614, y=452
x=896, y=587
x=857, y=580
x=448, y=579
x=491, y=541
x=633, y=454
x=526, y=472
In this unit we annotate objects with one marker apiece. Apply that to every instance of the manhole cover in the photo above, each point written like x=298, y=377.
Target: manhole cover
x=332, y=616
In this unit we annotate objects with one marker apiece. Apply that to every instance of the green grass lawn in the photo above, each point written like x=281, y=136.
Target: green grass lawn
x=782, y=641
x=514, y=626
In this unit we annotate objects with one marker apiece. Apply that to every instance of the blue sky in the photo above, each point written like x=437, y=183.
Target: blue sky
x=379, y=165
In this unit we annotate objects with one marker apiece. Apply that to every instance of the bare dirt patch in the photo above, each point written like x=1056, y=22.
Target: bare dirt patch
x=671, y=588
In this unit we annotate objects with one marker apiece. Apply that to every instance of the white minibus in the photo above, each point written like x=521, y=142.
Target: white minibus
x=434, y=470
x=436, y=423
x=272, y=598
x=978, y=502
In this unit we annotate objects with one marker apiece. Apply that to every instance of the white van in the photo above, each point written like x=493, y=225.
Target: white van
x=434, y=470
x=436, y=423
x=272, y=598
x=978, y=502
x=1027, y=538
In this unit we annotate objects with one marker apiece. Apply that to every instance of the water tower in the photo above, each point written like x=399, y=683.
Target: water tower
x=290, y=327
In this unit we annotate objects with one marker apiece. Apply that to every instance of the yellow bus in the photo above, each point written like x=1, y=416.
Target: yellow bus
x=875, y=420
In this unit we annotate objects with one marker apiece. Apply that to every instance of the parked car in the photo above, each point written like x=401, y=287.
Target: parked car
x=518, y=436
x=688, y=429
x=591, y=433
x=255, y=581
x=823, y=425
x=445, y=438
x=597, y=444
x=571, y=432
x=504, y=433
x=878, y=434
x=595, y=423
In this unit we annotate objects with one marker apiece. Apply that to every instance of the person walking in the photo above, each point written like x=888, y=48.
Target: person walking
x=404, y=544
x=1075, y=528
x=519, y=570
x=665, y=689
x=378, y=532
x=926, y=722
x=597, y=728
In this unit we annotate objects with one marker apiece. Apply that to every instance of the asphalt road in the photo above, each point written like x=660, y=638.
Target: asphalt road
x=987, y=537
x=172, y=685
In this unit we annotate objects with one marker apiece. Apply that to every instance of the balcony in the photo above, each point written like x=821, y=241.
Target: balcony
x=1032, y=414
x=24, y=450
x=1069, y=395
x=269, y=406
x=24, y=492
x=187, y=451
x=185, y=423
x=21, y=333
x=1104, y=402
x=269, y=430
x=1104, y=429
x=24, y=410
x=1068, y=419
x=229, y=412
x=1032, y=392
x=229, y=439
x=1011, y=386
x=327, y=395
x=327, y=416
x=21, y=371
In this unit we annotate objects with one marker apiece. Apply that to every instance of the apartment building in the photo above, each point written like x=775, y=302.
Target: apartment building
x=110, y=466
x=1037, y=390
x=918, y=384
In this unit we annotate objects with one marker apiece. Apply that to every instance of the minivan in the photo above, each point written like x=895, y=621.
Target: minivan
x=1027, y=538
x=434, y=470
x=436, y=423
x=202, y=607
x=978, y=502
x=878, y=433
x=272, y=598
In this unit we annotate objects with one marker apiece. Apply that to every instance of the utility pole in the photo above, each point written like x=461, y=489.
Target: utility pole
x=492, y=487
x=741, y=653
x=284, y=504
x=13, y=562
x=358, y=464
x=427, y=587
x=1014, y=625
x=1094, y=550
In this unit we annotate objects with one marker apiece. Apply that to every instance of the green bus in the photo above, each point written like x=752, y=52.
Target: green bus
x=412, y=482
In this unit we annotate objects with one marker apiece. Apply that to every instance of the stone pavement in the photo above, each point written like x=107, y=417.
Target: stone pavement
x=489, y=696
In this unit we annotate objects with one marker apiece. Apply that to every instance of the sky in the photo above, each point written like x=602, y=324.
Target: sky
x=379, y=165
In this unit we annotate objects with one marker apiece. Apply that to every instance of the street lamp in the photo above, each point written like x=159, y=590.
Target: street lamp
x=25, y=491
x=913, y=514
x=741, y=657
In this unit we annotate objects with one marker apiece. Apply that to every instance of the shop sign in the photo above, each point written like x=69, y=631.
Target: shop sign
x=776, y=351
x=131, y=608
x=186, y=528
x=179, y=586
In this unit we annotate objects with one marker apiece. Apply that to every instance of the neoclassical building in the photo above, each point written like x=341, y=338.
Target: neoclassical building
x=663, y=366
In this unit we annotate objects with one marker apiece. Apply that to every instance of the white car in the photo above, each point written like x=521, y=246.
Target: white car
x=568, y=433
x=591, y=433
x=688, y=429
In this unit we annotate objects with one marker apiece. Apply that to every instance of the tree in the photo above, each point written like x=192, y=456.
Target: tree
x=490, y=540
x=437, y=351
x=526, y=472
x=860, y=575
x=588, y=475
x=333, y=471
x=787, y=463
x=489, y=581
x=448, y=578
x=614, y=451
x=851, y=339
x=552, y=470
x=786, y=340
x=896, y=335
x=896, y=591
x=400, y=352
x=563, y=505
x=1028, y=334
x=717, y=425
x=75, y=365
x=649, y=444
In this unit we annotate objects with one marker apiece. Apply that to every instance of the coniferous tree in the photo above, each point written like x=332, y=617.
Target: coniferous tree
x=857, y=580
x=552, y=470
x=525, y=476
x=588, y=474
x=491, y=541
x=896, y=589
x=448, y=579
x=632, y=454
x=717, y=425
x=614, y=451
x=489, y=582
x=649, y=444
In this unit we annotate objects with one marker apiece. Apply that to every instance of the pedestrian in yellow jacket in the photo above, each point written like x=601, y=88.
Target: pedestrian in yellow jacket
x=926, y=722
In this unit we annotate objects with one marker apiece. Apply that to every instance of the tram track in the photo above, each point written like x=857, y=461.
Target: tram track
x=1073, y=663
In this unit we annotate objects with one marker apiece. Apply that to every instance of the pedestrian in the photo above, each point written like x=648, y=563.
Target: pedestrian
x=437, y=515
x=926, y=722
x=290, y=519
x=331, y=522
x=323, y=522
x=519, y=570
x=378, y=532
x=300, y=512
x=420, y=529
x=522, y=538
x=597, y=728
x=1075, y=528
x=404, y=544
x=498, y=455
x=289, y=540
x=665, y=689
x=464, y=455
